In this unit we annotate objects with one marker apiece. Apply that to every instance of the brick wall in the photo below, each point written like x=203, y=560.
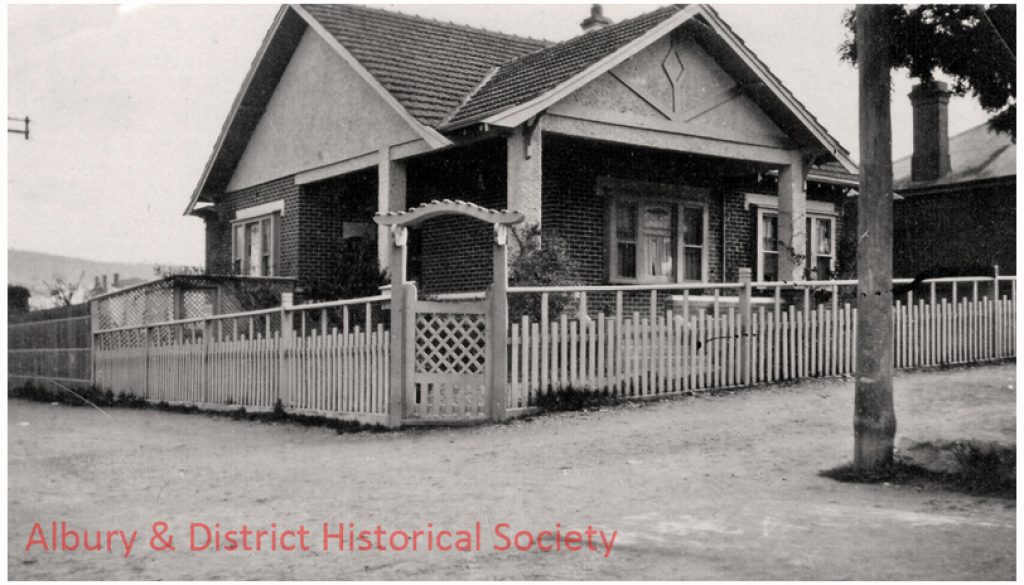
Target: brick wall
x=960, y=232
x=451, y=254
x=454, y=254
x=218, y=224
x=310, y=227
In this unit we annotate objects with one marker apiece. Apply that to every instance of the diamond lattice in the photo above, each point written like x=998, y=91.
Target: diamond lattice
x=450, y=343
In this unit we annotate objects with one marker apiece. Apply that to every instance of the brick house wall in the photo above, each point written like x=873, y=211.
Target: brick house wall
x=310, y=227
x=454, y=254
x=961, y=230
x=450, y=254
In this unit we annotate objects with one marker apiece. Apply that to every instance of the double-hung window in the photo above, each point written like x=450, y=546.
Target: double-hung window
x=657, y=240
x=254, y=246
x=820, y=248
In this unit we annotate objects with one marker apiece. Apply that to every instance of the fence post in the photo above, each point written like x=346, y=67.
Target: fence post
x=94, y=326
x=499, y=325
x=407, y=392
x=207, y=342
x=745, y=340
x=996, y=320
x=146, y=385
x=398, y=310
x=286, y=349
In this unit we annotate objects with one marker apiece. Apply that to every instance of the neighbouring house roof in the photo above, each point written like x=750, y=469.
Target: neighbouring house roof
x=974, y=155
x=442, y=76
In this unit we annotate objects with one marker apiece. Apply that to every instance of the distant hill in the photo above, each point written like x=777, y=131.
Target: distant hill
x=30, y=269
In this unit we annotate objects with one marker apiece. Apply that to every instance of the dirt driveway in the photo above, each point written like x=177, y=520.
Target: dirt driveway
x=709, y=487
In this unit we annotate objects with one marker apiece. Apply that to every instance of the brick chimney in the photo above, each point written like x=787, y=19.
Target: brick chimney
x=596, y=21
x=104, y=283
x=116, y=275
x=931, y=131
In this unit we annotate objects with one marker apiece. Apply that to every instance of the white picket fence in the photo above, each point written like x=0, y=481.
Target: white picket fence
x=312, y=358
x=658, y=352
x=338, y=358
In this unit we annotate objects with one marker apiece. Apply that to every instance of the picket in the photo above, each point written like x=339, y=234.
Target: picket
x=645, y=355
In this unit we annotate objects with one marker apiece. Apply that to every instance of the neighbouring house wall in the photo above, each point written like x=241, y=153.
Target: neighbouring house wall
x=450, y=254
x=963, y=230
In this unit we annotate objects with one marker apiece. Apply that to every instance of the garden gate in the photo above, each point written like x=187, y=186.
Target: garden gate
x=449, y=358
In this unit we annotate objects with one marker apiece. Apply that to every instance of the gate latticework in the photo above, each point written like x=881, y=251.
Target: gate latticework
x=449, y=379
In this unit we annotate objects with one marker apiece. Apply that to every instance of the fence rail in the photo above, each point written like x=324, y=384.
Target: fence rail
x=54, y=348
x=338, y=358
x=326, y=358
x=690, y=342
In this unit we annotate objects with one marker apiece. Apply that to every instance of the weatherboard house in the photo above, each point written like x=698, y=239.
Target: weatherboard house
x=660, y=148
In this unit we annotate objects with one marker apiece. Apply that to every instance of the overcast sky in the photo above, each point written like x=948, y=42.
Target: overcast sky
x=126, y=103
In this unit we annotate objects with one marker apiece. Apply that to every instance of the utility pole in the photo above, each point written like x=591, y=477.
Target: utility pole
x=874, y=419
x=24, y=130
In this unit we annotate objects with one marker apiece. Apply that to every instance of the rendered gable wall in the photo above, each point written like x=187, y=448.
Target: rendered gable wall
x=703, y=100
x=321, y=112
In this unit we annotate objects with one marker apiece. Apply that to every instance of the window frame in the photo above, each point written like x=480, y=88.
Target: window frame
x=242, y=256
x=811, y=240
x=679, y=246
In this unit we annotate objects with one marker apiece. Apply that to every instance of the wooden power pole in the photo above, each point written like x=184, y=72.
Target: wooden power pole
x=874, y=420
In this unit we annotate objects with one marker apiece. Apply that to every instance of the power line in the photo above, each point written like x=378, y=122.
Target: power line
x=24, y=121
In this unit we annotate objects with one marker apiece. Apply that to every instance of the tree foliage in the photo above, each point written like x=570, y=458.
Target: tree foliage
x=974, y=44
x=63, y=290
x=17, y=299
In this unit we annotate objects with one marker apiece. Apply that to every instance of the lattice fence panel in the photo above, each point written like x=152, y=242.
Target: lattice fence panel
x=451, y=343
x=199, y=302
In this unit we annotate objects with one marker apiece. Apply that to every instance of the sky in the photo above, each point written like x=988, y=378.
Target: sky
x=126, y=103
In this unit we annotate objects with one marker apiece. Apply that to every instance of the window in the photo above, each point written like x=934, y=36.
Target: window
x=821, y=249
x=254, y=246
x=820, y=246
x=657, y=241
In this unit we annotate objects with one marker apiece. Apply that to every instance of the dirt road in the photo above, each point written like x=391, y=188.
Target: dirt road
x=709, y=487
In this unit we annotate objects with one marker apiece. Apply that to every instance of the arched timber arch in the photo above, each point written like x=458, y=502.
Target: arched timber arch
x=405, y=306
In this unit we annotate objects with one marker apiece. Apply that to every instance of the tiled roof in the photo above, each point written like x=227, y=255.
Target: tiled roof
x=833, y=171
x=532, y=75
x=430, y=67
x=974, y=155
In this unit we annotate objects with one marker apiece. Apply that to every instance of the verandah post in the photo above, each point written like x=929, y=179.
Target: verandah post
x=745, y=340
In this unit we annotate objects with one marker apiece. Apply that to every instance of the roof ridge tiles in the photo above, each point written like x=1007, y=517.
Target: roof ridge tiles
x=449, y=24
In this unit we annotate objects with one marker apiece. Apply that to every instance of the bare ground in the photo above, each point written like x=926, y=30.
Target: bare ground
x=708, y=487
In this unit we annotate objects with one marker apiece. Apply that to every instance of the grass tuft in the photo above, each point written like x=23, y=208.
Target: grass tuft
x=107, y=399
x=977, y=476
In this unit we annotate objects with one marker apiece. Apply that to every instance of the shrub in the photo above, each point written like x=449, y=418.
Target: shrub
x=540, y=259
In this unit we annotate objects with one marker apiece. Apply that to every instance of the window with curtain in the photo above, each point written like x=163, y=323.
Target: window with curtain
x=254, y=246
x=657, y=241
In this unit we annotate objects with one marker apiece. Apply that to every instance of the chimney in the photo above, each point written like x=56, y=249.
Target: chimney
x=931, y=131
x=596, y=21
x=97, y=285
x=115, y=280
x=104, y=282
